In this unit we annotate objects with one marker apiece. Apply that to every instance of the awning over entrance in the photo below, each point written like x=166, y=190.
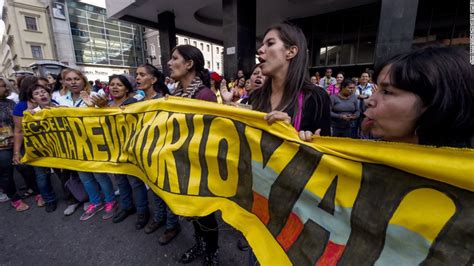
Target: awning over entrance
x=205, y=17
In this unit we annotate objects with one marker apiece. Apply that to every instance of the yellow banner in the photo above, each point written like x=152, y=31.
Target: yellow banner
x=326, y=202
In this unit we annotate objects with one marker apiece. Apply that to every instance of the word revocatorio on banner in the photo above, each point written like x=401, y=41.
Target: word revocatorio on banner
x=326, y=202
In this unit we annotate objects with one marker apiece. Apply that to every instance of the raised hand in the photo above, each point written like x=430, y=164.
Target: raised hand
x=225, y=93
x=86, y=98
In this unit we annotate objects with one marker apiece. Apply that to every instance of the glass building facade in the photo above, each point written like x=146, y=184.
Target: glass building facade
x=346, y=39
x=101, y=41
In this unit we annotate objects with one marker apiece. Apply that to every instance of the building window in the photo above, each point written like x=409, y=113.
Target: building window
x=208, y=47
x=152, y=49
x=195, y=43
x=218, y=65
x=31, y=23
x=208, y=64
x=202, y=46
x=217, y=50
x=36, y=52
x=186, y=41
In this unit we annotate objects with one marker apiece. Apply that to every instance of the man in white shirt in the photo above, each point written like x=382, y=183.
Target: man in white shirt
x=327, y=79
x=364, y=89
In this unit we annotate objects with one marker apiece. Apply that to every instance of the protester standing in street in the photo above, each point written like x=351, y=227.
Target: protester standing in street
x=187, y=67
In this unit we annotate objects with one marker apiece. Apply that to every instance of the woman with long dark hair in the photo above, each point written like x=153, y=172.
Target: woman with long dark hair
x=152, y=82
x=52, y=78
x=335, y=88
x=129, y=186
x=187, y=67
x=288, y=93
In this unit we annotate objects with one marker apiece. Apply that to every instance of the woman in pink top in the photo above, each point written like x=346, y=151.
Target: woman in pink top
x=335, y=88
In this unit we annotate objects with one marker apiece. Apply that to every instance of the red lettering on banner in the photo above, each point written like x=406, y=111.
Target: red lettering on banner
x=260, y=207
x=331, y=255
x=290, y=232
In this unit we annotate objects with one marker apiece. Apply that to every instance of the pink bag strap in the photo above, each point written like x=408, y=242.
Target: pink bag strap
x=299, y=115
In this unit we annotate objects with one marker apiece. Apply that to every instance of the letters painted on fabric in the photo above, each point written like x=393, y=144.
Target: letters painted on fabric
x=333, y=201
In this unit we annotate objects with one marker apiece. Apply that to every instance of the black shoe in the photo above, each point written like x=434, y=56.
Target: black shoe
x=142, y=220
x=195, y=252
x=169, y=235
x=50, y=206
x=122, y=215
x=212, y=258
x=153, y=226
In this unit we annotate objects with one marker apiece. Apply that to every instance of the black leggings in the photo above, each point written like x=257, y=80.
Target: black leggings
x=206, y=227
x=28, y=174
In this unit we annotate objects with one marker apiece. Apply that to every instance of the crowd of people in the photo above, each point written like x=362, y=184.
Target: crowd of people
x=424, y=96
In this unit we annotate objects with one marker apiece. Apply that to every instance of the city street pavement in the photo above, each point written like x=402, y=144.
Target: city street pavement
x=35, y=237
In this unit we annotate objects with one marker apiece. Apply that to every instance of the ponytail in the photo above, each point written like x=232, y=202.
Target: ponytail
x=159, y=85
x=205, y=77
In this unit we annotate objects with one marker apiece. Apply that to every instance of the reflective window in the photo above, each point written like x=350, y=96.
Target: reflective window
x=438, y=25
x=348, y=37
x=36, y=52
x=31, y=23
x=98, y=40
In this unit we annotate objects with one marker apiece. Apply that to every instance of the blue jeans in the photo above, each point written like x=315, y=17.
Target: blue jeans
x=43, y=180
x=128, y=184
x=162, y=212
x=94, y=183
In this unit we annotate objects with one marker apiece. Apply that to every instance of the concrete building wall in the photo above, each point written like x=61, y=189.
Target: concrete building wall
x=102, y=46
x=212, y=52
x=6, y=60
x=61, y=30
x=152, y=48
x=53, y=34
x=28, y=44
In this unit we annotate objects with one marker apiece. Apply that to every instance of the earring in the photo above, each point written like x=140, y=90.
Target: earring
x=416, y=130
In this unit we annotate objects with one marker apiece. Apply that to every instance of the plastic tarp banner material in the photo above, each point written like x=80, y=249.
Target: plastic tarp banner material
x=332, y=201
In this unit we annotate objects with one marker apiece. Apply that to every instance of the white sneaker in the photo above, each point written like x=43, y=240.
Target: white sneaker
x=4, y=197
x=71, y=209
